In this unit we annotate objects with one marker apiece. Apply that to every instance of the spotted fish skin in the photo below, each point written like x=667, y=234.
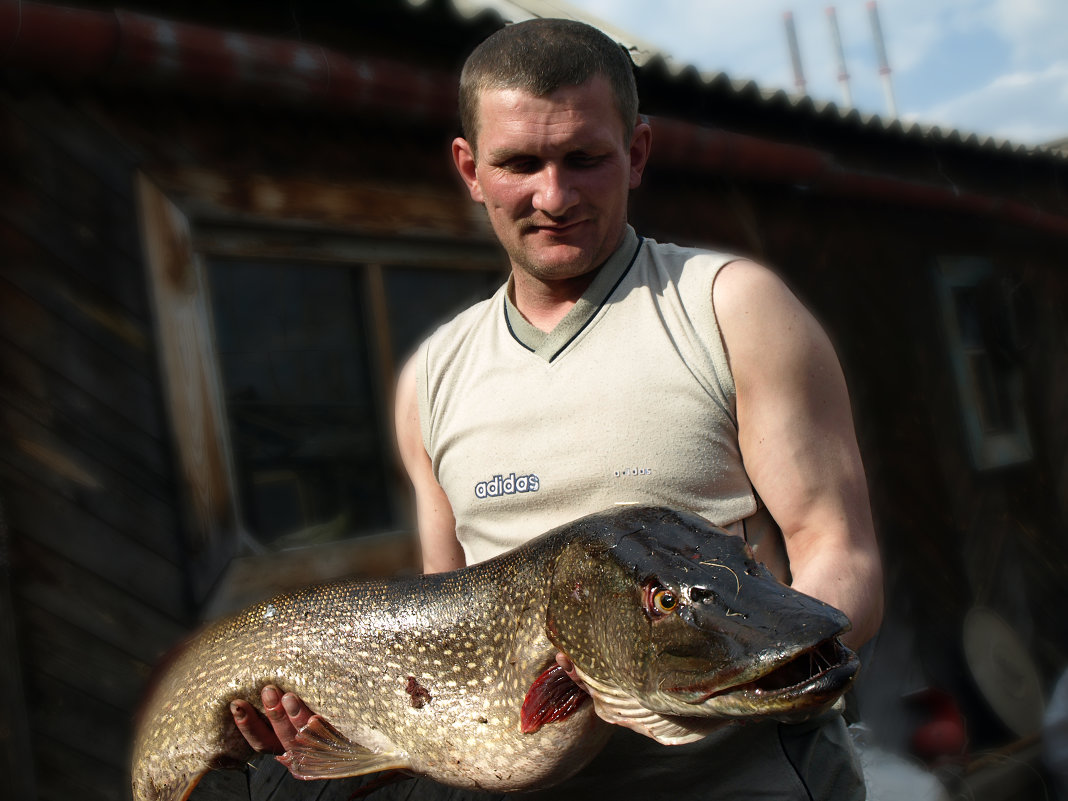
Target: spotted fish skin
x=473, y=640
x=430, y=673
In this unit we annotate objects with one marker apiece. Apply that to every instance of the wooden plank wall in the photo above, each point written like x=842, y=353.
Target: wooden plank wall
x=16, y=753
x=953, y=536
x=98, y=584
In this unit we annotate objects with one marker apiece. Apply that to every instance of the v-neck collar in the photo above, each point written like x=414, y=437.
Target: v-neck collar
x=550, y=345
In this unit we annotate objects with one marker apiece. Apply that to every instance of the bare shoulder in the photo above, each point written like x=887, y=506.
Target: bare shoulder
x=742, y=280
x=436, y=523
x=762, y=321
x=406, y=383
x=409, y=433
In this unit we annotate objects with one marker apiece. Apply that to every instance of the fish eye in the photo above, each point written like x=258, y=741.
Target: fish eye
x=660, y=600
x=665, y=601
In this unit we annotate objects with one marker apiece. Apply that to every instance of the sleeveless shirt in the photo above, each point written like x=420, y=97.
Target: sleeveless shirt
x=630, y=399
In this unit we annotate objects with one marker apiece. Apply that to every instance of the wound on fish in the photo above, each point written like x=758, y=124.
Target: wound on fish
x=553, y=696
x=419, y=695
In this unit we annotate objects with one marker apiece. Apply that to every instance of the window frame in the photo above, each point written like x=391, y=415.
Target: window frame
x=180, y=238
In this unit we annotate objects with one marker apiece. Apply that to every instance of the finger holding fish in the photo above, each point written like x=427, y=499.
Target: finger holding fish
x=275, y=731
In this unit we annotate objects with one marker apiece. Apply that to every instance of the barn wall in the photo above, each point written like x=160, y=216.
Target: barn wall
x=954, y=535
x=85, y=471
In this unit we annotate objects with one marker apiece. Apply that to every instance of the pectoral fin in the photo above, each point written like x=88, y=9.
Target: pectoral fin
x=322, y=752
x=552, y=696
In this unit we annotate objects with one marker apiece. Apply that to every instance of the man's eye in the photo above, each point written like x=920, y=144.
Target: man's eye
x=520, y=166
x=583, y=160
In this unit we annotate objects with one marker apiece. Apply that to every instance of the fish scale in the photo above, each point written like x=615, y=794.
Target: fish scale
x=453, y=675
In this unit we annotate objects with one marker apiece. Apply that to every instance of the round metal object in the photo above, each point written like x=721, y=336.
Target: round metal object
x=1003, y=672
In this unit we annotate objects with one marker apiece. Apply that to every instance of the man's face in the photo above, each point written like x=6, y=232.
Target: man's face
x=554, y=173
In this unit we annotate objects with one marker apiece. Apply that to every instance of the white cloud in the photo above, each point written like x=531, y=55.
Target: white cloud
x=1037, y=30
x=942, y=53
x=1025, y=107
x=747, y=40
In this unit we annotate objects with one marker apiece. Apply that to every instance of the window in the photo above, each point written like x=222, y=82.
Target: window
x=305, y=424
x=309, y=411
x=977, y=315
x=279, y=348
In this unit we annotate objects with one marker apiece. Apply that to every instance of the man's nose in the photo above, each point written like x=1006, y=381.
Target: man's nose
x=554, y=193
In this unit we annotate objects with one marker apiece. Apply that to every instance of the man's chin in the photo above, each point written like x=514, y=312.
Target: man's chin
x=557, y=269
x=549, y=258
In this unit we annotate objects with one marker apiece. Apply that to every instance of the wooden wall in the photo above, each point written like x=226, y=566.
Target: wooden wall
x=86, y=480
x=953, y=535
x=101, y=566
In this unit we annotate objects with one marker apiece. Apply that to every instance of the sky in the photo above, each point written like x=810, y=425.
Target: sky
x=989, y=67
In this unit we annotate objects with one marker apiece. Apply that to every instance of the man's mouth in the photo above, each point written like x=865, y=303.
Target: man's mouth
x=554, y=228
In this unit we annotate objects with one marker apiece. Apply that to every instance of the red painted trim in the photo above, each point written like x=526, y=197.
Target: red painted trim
x=127, y=48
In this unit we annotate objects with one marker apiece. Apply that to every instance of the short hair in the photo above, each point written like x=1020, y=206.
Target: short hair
x=540, y=56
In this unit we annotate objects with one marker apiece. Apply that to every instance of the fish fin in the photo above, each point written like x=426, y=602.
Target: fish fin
x=671, y=730
x=179, y=788
x=322, y=752
x=665, y=729
x=553, y=696
x=183, y=793
x=620, y=709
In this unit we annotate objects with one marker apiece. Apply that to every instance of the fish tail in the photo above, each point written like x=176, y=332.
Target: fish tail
x=156, y=678
x=179, y=788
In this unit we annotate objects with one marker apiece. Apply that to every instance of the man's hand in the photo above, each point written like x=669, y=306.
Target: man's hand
x=286, y=715
x=569, y=668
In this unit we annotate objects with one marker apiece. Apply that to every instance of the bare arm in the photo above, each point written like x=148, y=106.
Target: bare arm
x=437, y=525
x=798, y=444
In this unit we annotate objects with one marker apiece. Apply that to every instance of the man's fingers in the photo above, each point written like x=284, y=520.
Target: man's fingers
x=296, y=710
x=285, y=716
x=284, y=729
x=296, y=715
x=569, y=668
x=254, y=728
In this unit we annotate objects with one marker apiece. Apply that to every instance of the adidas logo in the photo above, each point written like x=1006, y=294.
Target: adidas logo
x=510, y=485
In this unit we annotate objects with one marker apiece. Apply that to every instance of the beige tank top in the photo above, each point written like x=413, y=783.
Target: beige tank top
x=629, y=400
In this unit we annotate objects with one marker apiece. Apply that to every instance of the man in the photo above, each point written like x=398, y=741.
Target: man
x=612, y=369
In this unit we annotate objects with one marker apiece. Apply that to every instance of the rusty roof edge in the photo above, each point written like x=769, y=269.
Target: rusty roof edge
x=647, y=56
x=103, y=45
x=128, y=48
x=292, y=72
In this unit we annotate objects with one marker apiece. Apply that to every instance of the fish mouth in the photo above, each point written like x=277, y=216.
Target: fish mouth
x=805, y=683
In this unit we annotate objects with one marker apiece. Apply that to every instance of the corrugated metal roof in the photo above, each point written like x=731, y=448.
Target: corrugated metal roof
x=649, y=57
x=519, y=10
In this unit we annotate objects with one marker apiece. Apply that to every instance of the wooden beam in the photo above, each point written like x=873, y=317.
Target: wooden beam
x=190, y=379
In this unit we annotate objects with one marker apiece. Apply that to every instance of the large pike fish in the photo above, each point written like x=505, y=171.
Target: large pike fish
x=671, y=624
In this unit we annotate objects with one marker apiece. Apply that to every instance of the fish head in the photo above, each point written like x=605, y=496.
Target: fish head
x=665, y=615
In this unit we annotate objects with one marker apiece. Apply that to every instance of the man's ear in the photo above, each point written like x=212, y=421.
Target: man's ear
x=641, y=144
x=463, y=156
